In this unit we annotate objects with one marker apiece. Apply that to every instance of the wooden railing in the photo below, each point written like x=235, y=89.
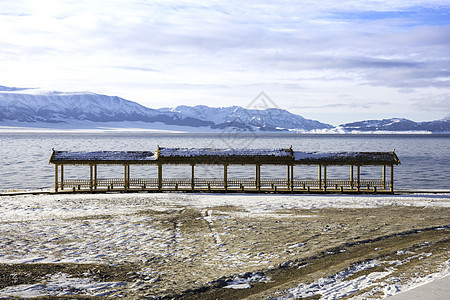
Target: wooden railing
x=240, y=183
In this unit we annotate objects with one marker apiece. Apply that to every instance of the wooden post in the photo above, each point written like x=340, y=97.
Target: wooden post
x=325, y=178
x=125, y=176
x=225, y=177
x=351, y=177
x=384, y=176
x=288, y=179
x=62, y=177
x=128, y=175
x=292, y=178
x=160, y=176
x=392, y=178
x=358, y=177
x=258, y=178
x=192, y=177
x=320, y=177
x=56, y=178
x=95, y=176
x=91, y=177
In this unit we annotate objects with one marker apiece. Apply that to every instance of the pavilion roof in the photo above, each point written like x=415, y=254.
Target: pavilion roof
x=223, y=156
x=346, y=158
x=102, y=157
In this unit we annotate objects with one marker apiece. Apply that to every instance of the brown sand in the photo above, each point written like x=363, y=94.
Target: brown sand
x=212, y=251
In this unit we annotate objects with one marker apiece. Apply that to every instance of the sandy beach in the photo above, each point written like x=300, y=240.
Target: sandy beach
x=203, y=246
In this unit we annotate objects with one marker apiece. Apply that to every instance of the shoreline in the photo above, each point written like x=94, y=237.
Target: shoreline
x=158, y=129
x=50, y=191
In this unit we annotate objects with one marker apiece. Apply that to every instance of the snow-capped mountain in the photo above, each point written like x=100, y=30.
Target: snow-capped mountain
x=33, y=105
x=397, y=124
x=268, y=119
x=25, y=107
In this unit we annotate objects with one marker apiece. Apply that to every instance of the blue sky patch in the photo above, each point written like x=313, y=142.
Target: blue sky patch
x=414, y=16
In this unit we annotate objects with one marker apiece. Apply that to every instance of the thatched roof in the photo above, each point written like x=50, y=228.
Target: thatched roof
x=102, y=157
x=209, y=152
x=346, y=158
x=224, y=156
x=212, y=156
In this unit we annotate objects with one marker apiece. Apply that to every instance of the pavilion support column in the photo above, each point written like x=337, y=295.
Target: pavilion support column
x=351, y=177
x=392, y=178
x=384, y=177
x=128, y=175
x=125, y=176
x=160, y=174
x=95, y=176
x=62, y=177
x=292, y=177
x=288, y=179
x=225, y=177
x=91, y=177
x=358, y=177
x=192, y=177
x=258, y=177
x=320, y=177
x=325, y=178
x=56, y=178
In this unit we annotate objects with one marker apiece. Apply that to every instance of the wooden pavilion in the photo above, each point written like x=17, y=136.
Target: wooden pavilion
x=226, y=157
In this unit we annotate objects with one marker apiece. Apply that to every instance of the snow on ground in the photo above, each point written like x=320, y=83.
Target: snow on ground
x=44, y=207
x=113, y=228
x=49, y=234
x=243, y=281
x=62, y=285
x=338, y=286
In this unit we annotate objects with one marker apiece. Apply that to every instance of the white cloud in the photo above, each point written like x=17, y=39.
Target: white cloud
x=164, y=53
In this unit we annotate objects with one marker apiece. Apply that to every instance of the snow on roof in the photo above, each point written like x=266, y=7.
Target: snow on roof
x=218, y=156
x=346, y=157
x=103, y=156
x=210, y=152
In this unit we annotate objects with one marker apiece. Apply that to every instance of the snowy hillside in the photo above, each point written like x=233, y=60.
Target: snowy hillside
x=267, y=119
x=397, y=124
x=31, y=106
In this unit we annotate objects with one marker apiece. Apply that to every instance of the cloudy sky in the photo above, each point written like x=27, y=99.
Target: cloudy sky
x=334, y=61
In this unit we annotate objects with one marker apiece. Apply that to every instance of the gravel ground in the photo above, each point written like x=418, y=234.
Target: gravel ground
x=198, y=246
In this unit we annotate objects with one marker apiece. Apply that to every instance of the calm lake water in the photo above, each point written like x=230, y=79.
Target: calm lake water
x=425, y=159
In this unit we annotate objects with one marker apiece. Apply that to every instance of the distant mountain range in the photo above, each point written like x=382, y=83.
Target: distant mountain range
x=397, y=124
x=31, y=107
x=271, y=119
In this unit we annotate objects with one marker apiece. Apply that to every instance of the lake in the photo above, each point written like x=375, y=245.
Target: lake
x=24, y=156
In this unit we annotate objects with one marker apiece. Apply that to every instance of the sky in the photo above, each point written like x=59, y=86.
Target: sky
x=333, y=61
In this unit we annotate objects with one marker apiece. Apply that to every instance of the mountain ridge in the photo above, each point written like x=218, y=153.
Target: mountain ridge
x=270, y=119
x=30, y=106
x=397, y=124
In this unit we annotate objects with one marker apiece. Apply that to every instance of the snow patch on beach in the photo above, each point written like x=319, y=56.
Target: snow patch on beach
x=244, y=281
x=337, y=286
x=61, y=284
x=340, y=286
